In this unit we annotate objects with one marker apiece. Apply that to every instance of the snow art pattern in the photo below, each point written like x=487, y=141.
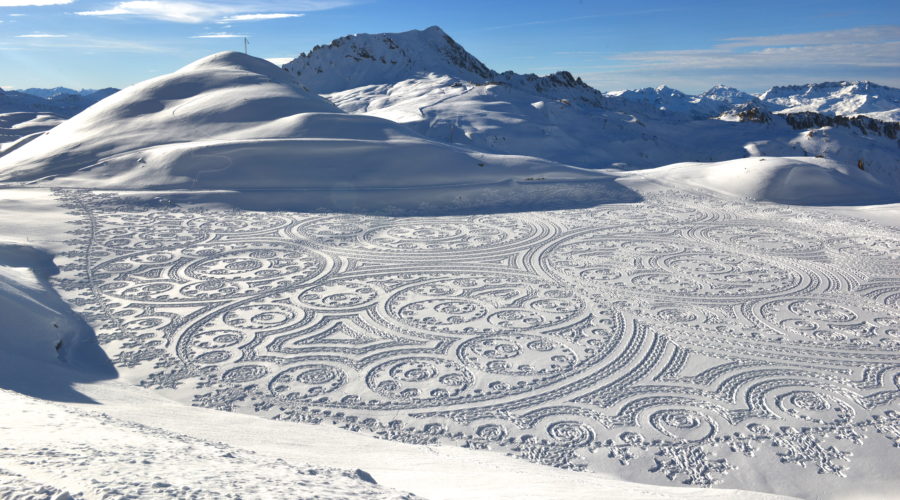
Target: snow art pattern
x=683, y=335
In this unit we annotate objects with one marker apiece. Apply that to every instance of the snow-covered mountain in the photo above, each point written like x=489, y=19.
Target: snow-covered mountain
x=55, y=91
x=360, y=60
x=730, y=95
x=428, y=82
x=837, y=99
x=666, y=102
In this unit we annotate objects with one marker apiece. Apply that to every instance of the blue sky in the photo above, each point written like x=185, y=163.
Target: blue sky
x=686, y=44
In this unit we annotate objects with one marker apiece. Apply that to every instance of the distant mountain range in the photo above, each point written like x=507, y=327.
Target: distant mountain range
x=362, y=60
x=60, y=101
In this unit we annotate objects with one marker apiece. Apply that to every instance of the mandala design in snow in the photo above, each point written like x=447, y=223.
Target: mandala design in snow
x=682, y=336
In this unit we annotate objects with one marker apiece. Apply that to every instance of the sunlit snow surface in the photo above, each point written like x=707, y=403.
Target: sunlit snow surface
x=692, y=339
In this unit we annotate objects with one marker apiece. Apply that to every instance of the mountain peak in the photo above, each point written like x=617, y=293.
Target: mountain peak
x=374, y=59
x=727, y=94
x=361, y=60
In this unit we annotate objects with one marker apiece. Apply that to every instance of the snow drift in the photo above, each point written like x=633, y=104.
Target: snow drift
x=44, y=345
x=796, y=181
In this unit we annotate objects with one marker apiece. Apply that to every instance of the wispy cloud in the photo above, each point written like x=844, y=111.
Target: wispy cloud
x=188, y=11
x=41, y=41
x=869, y=34
x=871, y=52
x=219, y=35
x=32, y=3
x=179, y=12
x=259, y=17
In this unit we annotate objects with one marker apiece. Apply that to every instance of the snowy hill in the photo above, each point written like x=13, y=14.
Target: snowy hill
x=795, y=181
x=837, y=99
x=232, y=121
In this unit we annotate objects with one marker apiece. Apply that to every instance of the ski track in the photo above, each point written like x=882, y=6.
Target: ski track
x=686, y=336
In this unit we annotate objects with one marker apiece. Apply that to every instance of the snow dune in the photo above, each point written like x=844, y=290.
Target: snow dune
x=793, y=181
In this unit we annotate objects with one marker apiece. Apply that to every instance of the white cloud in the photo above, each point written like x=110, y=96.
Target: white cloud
x=32, y=3
x=219, y=35
x=179, y=12
x=869, y=34
x=188, y=11
x=258, y=17
x=885, y=54
x=41, y=35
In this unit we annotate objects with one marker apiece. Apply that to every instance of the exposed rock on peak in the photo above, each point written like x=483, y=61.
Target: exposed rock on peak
x=388, y=58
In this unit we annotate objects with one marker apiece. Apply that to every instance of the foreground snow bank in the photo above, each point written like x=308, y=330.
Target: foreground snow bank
x=61, y=452
x=37, y=325
x=790, y=180
x=44, y=345
x=143, y=445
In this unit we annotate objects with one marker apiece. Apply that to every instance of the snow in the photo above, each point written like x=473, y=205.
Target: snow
x=434, y=90
x=61, y=450
x=795, y=181
x=19, y=128
x=275, y=279
x=253, y=128
x=371, y=60
x=324, y=305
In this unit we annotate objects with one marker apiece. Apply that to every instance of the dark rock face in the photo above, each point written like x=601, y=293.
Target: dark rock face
x=751, y=112
x=866, y=125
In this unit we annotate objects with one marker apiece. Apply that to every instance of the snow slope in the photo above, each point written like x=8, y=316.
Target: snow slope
x=38, y=327
x=795, y=181
x=506, y=120
x=59, y=452
x=688, y=338
x=18, y=128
